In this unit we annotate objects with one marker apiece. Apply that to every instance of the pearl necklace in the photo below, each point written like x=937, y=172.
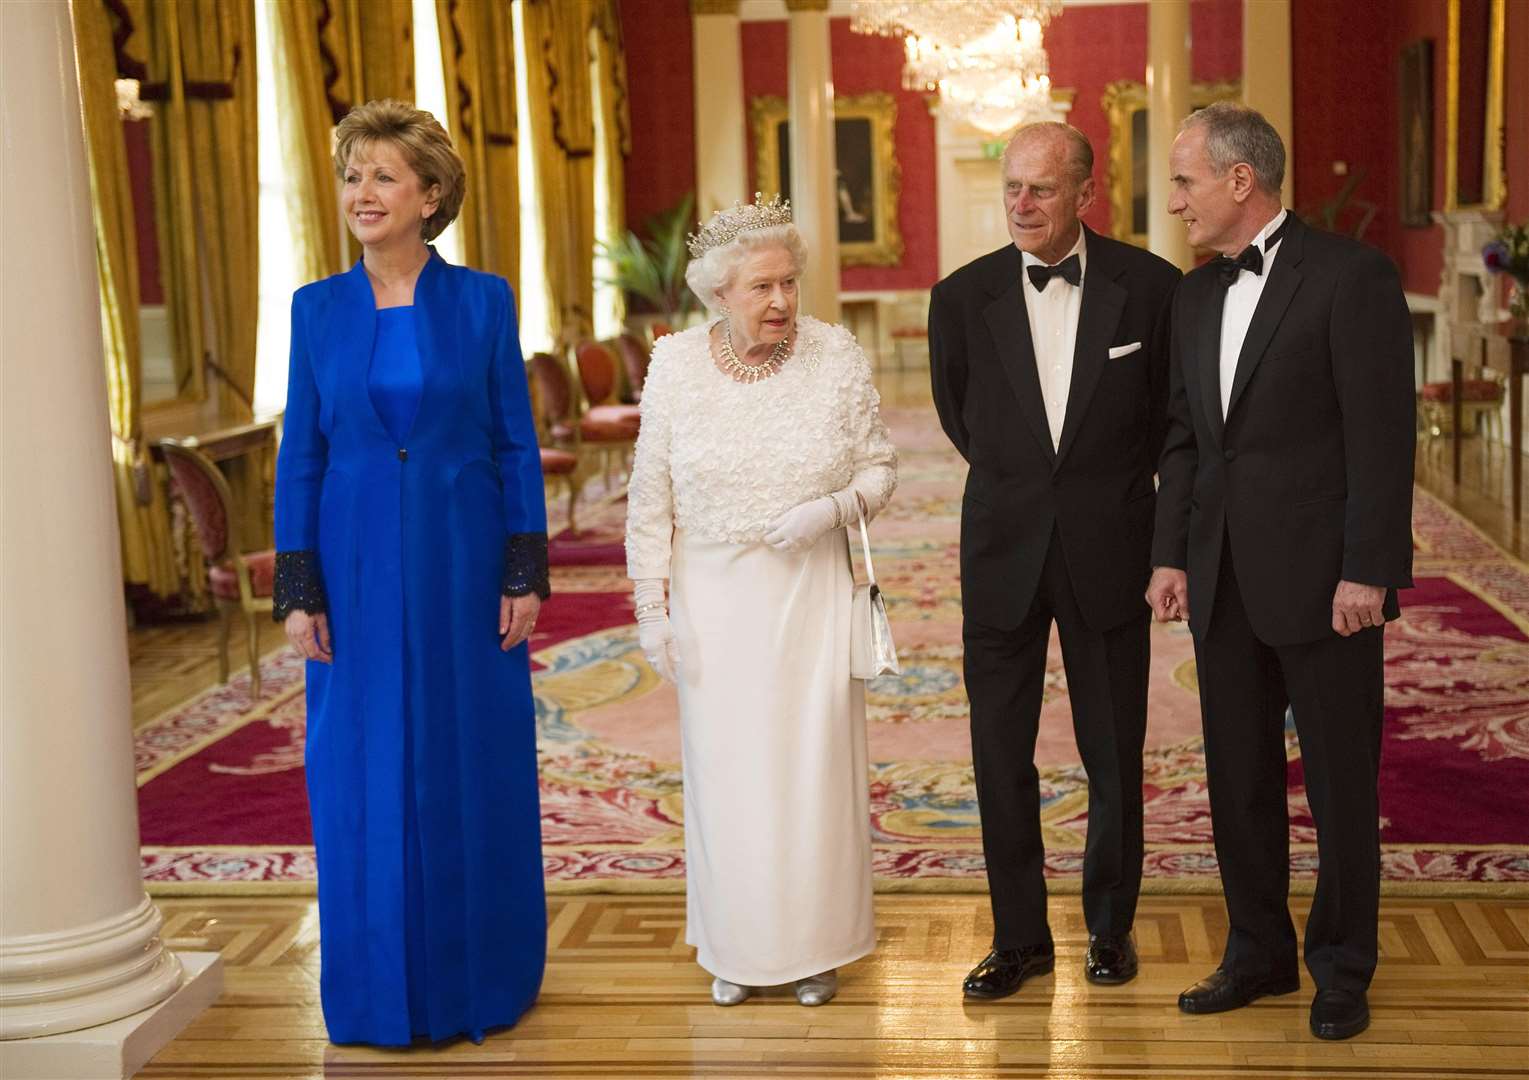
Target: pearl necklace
x=737, y=370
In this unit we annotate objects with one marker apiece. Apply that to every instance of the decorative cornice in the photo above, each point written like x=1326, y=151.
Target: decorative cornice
x=714, y=7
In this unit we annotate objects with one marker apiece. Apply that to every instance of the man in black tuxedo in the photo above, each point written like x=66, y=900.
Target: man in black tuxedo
x=1286, y=493
x=1049, y=359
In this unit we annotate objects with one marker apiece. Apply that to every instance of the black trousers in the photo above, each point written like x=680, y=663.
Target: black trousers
x=1107, y=685
x=1335, y=688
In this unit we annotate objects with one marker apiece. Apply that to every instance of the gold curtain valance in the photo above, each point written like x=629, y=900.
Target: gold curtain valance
x=478, y=53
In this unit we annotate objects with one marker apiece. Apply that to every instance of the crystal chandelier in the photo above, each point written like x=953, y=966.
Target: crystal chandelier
x=985, y=57
x=996, y=105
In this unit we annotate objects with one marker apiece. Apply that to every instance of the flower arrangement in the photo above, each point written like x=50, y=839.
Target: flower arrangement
x=1508, y=253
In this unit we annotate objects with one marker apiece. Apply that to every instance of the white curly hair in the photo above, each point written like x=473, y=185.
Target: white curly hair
x=715, y=270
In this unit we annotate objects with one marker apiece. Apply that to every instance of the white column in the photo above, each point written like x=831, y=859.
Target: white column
x=814, y=184
x=1266, y=78
x=721, y=163
x=79, y=938
x=1168, y=75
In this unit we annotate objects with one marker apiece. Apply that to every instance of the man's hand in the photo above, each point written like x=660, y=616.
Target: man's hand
x=1358, y=607
x=1168, y=594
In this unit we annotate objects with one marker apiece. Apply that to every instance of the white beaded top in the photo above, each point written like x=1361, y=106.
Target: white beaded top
x=722, y=459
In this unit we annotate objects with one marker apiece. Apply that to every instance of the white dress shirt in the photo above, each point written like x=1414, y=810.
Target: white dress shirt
x=1241, y=301
x=1054, y=331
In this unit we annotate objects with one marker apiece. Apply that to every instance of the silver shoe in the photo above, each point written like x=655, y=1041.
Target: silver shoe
x=817, y=989
x=727, y=993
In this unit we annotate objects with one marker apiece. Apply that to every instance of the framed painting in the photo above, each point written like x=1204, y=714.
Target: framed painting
x=1416, y=113
x=1473, y=108
x=1125, y=104
x=869, y=178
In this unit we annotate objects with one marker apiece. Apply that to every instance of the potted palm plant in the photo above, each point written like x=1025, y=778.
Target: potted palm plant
x=652, y=270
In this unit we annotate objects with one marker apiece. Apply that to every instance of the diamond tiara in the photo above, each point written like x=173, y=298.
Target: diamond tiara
x=725, y=225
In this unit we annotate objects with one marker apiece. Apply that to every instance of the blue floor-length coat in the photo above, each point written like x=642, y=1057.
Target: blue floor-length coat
x=421, y=752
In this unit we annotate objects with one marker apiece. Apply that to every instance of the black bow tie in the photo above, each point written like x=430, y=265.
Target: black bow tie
x=1251, y=259
x=1069, y=270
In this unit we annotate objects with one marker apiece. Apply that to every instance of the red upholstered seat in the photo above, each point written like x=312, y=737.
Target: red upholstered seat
x=610, y=423
x=223, y=579
x=634, y=359
x=558, y=462
x=597, y=371
x=1470, y=390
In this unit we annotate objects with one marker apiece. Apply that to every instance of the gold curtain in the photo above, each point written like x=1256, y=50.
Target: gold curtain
x=207, y=187
x=614, y=130
x=302, y=96
x=148, y=553
x=478, y=52
x=562, y=139
x=330, y=56
x=201, y=76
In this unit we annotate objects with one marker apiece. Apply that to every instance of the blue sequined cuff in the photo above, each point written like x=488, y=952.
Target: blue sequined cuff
x=297, y=585
x=525, y=565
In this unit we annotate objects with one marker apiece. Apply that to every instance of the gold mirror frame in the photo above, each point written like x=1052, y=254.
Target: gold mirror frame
x=1493, y=187
x=767, y=113
x=1121, y=101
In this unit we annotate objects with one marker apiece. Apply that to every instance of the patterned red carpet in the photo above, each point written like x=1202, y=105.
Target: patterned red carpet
x=221, y=784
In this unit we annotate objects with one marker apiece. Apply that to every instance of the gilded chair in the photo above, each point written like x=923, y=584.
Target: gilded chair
x=551, y=408
x=635, y=357
x=606, y=425
x=238, y=581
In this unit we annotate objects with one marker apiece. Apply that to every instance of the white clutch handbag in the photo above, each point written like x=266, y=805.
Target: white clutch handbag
x=871, y=651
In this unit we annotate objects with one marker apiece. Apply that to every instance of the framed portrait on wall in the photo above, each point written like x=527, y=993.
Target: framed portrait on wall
x=1125, y=104
x=869, y=180
x=1416, y=113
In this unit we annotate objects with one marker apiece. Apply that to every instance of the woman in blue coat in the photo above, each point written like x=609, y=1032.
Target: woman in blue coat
x=409, y=518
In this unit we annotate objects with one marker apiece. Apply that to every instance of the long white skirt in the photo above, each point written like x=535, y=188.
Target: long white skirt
x=777, y=814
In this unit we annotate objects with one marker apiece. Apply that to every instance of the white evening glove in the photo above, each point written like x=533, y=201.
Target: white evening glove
x=804, y=525
x=655, y=635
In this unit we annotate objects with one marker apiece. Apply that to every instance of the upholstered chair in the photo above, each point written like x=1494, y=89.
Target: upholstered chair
x=607, y=425
x=239, y=581
x=552, y=403
x=635, y=356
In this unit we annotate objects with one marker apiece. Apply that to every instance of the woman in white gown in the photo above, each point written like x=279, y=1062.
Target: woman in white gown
x=761, y=441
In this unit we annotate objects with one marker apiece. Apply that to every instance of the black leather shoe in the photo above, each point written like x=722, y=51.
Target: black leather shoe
x=1003, y=971
x=1339, y=1014
x=1111, y=959
x=1223, y=990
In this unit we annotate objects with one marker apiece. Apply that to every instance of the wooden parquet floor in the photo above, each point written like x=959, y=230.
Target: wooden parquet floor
x=624, y=998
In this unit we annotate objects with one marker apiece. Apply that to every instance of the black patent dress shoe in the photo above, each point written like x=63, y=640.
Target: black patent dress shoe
x=1111, y=959
x=1223, y=990
x=1339, y=1014
x=1004, y=971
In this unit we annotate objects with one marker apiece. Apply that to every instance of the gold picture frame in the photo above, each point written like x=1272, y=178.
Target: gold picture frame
x=870, y=179
x=1125, y=103
x=1493, y=186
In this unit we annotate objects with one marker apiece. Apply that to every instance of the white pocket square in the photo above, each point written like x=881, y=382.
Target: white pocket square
x=1124, y=350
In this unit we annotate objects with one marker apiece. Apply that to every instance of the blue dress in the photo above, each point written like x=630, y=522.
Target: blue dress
x=408, y=499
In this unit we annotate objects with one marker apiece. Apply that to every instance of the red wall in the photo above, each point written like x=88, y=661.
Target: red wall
x=1351, y=56
x=140, y=167
x=1345, y=69
x=863, y=63
x=661, y=94
x=1345, y=58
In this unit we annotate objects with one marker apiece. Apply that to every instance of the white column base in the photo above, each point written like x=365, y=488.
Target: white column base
x=118, y=1049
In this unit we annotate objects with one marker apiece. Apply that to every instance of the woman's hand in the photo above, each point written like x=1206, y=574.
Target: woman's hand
x=309, y=635
x=804, y=525
x=517, y=618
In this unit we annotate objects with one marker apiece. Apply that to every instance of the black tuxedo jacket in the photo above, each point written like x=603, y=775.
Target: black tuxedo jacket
x=1309, y=476
x=1096, y=488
